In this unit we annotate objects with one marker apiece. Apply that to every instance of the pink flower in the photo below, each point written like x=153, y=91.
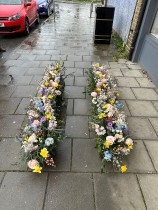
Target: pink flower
x=110, y=139
x=99, y=84
x=94, y=94
x=32, y=163
x=36, y=122
x=129, y=141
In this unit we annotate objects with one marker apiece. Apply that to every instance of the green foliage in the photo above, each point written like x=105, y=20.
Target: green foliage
x=120, y=47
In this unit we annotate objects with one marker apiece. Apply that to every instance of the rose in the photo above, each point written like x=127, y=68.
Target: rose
x=32, y=163
x=94, y=94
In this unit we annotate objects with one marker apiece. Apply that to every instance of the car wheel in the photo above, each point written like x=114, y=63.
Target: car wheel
x=37, y=19
x=27, y=27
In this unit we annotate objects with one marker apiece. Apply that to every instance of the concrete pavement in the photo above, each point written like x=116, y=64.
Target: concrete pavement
x=76, y=183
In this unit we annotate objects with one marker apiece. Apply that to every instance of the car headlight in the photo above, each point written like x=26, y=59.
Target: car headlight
x=44, y=4
x=15, y=17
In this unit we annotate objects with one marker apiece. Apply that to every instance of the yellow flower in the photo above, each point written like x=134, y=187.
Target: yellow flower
x=48, y=116
x=101, y=115
x=112, y=102
x=37, y=169
x=130, y=146
x=123, y=168
x=104, y=85
x=98, y=89
x=46, y=83
x=26, y=138
x=107, y=144
x=44, y=153
x=55, y=71
x=55, y=84
x=117, y=94
x=100, y=76
x=57, y=65
x=105, y=106
x=50, y=96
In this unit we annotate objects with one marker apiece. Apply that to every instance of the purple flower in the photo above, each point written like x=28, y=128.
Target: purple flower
x=126, y=131
x=109, y=124
x=43, y=119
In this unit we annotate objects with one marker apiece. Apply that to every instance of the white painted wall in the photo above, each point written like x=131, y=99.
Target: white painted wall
x=124, y=10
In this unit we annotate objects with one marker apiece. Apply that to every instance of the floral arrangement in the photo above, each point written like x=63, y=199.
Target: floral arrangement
x=43, y=131
x=108, y=119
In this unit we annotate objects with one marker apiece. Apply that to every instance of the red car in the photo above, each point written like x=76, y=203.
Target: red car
x=17, y=16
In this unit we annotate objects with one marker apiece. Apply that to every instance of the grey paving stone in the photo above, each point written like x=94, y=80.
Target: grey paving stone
x=10, y=157
x=70, y=107
x=10, y=125
x=132, y=73
x=117, y=65
x=139, y=153
x=74, y=57
x=74, y=92
x=127, y=82
x=133, y=66
x=38, y=52
x=35, y=71
x=69, y=80
x=58, y=57
x=44, y=64
x=140, y=128
x=5, y=80
x=145, y=93
x=6, y=92
x=115, y=72
x=51, y=52
x=15, y=71
x=22, y=108
x=25, y=91
x=27, y=57
x=84, y=64
x=28, y=188
x=1, y=177
x=21, y=80
x=13, y=63
x=43, y=58
x=82, y=107
x=9, y=105
x=122, y=60
x=86, y=52
x=30, y=64
x=77, y=127
x=114, y=191
x=63, y=157
x=142, y=108
x=155, y=104
x=125, y=108
x=152, y=147
x=69, y=191
x=126, y=93
x=154, y=122
x=81, y=81
x=14, y=56
x=149, y=186
x=91, y=58
x=70, y=64
x=87, y=160
x=74, y=71
x=36, y=80
x=145, y=82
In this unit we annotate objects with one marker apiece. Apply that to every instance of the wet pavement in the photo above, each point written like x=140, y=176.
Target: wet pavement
x=76, y=183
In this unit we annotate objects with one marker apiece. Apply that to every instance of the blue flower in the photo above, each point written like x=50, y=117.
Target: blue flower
x=49, y=141
x=118, y=105
x=107, y=156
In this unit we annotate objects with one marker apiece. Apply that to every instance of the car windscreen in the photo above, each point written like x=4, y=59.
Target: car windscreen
x=10, y=2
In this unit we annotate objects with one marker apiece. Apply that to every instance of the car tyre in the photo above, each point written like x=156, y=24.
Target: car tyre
x=27, y=27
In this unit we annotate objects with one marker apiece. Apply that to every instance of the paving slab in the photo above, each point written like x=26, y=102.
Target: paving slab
x=22, y=108
x=35, y=71
x=117, y=65
x=127, y=82
x=25, y=91
x=74, y=71
x=77, y=127
x=43, y=58
x=135, y=166
x=81, y=81
x=89, y=161
x=36, y=80
x=63, y=157
x=10, y=125
x=91, y=58
x=74, y=57
x=140, y=128
x=149, y=187
x=69, y=191
x=145, y=82
x=21, y=190
x=5, y=80
x=69, y=81
x=9, y=106
x=142, y=108
x=58, y=57
x=152, y=148
x=154, y=122
x=83, y=64
x=31, y=64
x=21, y=80
x=82, y=107
x=125, y=108
x=6, y=92
x=114, y=191
x=132, y=73
x=27, y=57
x=70, y=107
x=126, y=93
x=74, y=92
x=145, y=93
x=15, y=71
x=115, y=72
x=134, y=66
x=10, y=157
x=1, y=177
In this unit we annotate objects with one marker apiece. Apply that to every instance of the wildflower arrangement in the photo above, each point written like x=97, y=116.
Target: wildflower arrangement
x=41, y=134
x=108, y=118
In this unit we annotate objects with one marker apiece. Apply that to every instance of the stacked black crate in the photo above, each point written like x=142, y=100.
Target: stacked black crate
x=103, y=24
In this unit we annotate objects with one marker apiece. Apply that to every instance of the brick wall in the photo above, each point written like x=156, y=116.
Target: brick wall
x=134, y=26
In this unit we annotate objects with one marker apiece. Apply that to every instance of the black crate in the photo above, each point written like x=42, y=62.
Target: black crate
x=103, y=24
